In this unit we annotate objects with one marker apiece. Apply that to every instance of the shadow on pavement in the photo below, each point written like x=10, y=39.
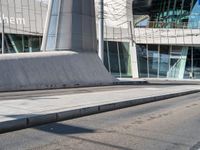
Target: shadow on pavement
x=62, y=129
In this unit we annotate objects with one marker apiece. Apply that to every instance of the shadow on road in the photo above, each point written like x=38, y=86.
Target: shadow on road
x=62, y=129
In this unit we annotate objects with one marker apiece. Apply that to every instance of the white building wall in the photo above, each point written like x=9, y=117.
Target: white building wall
x=167, y=36
x=117, y=12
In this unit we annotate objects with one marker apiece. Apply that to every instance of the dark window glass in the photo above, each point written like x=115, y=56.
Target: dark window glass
x=106, y=56
x=142, y=60
x=188, y=68
x=196, y=62
x=125, y=60
x=164, y=61
x=114, y=62
x=153, y=60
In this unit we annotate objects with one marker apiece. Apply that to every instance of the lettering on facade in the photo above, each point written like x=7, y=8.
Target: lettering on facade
x=12, y=20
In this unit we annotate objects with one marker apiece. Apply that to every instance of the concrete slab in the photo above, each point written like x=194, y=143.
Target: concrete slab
x=50, y=70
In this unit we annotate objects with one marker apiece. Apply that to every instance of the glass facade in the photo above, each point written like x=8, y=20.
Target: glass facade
x=169, y=61
x=16, y=43
x=194, y=18
x=117, y=58
x=170, y=14
x=153, y=60
x=23, y=24
x=164, y=61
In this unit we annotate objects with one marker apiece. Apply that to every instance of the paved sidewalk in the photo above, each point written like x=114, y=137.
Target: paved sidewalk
x=18, y=112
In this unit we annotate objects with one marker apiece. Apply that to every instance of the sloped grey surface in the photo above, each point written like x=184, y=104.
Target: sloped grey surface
x=44, y=70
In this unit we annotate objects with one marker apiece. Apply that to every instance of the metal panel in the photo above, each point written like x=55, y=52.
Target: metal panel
x=23, y=16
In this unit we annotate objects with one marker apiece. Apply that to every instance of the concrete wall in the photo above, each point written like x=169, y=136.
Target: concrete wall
x=51, y=70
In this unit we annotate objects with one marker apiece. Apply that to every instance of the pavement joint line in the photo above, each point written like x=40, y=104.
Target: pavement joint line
x=41, y=119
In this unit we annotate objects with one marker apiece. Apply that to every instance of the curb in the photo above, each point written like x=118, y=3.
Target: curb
x=130, y=82
x=32, y=121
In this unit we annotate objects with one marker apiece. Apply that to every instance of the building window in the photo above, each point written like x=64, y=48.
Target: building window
x=153, y=60
x=162, y=61
x=117, y=58
x=142, y=60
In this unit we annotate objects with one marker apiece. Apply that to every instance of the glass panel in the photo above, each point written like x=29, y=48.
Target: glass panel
x=188, y=68
x=196, y=59
x=194, y=19
x=106, y=55
x=166, y=13
x=7, y=45
x=175, y=55
x=164, y=61
x=178, y=62
x=114, y=63
x=26, y=43
x=35, y=42
x=21, y=43
x=142, y=60
x=153, y=60
x=16, y=42
x=125, y=59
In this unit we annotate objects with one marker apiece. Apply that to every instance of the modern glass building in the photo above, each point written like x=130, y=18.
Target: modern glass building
x=23, y=24
x=167, y=35
x=143, y=38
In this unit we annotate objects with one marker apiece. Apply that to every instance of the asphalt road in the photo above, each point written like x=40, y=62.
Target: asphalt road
x=173, y=124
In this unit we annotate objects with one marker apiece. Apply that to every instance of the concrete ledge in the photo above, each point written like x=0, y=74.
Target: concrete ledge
x=13, y=125
x=41, y=119
x=51, y=70
x=31, y=121
x=136, y=82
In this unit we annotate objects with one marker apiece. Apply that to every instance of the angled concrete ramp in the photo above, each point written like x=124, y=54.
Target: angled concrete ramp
x=51, y=70
x=70, y=52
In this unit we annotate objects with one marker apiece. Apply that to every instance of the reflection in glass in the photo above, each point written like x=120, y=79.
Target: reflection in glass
x=175, y=62
x=189, y=65
x=196, y=63
x=153, y=60
x=16, y=43
x=194, y=19
x=169, y=14
x=164, y=61
x=117, y=58
x=106, y=56
x=114, y=62
x=142, y=60
x=125, y=59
